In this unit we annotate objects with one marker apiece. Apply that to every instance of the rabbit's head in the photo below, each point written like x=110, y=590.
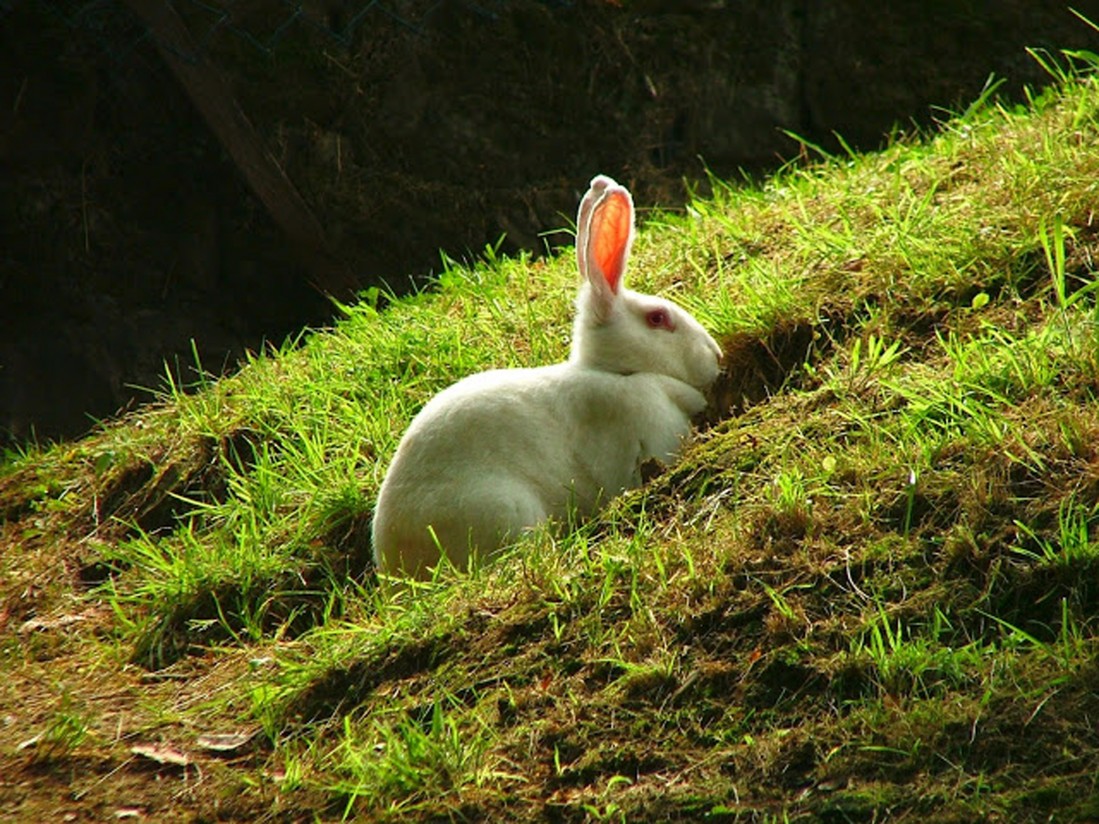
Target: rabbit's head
x=616, y=329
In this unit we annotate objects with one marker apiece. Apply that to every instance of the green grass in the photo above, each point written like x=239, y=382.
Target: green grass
x=867, y=592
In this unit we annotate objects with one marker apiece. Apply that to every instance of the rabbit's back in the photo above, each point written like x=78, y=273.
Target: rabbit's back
x=502, y=451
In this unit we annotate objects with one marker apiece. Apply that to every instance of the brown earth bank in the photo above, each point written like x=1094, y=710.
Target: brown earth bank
x=131, y=224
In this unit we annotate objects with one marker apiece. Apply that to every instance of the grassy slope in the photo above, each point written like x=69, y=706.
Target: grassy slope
x=868, y=592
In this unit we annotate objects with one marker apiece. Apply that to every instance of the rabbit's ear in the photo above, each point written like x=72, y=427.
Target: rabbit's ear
x=583, y=226
x=603, y=241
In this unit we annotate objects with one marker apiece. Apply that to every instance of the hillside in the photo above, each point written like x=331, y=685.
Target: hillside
x=868, y=592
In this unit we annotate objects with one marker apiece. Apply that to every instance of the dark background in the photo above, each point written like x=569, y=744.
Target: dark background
x=129, y=228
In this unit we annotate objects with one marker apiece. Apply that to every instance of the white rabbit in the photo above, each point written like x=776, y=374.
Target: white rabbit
x=502, y=451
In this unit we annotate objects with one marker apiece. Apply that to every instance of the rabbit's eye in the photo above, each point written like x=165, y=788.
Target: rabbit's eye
x=659, y=319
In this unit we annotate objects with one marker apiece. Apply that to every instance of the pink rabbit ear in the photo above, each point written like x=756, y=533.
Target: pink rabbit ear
x=603, y=236
x=611, y=229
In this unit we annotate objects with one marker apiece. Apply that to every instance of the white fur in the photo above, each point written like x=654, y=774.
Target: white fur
x=502, y=451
